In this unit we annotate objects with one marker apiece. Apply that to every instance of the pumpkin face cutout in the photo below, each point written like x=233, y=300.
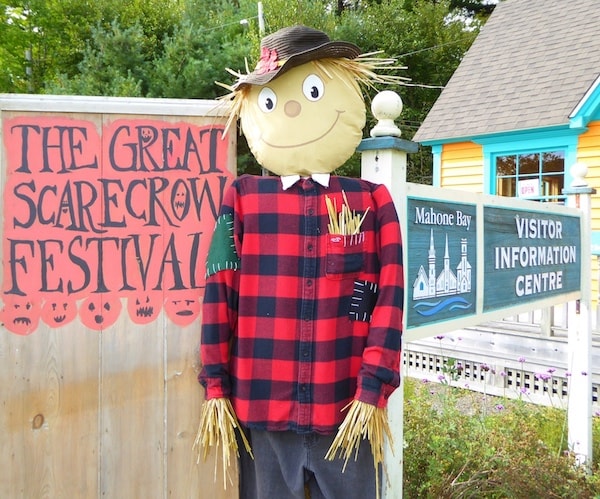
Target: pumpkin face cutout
x=182, y=308
x=100, y=311
x=59, y=311
x=20, y=315
x=145, y=307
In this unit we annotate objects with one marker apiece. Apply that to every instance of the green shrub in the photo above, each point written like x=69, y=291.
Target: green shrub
x=461, y=444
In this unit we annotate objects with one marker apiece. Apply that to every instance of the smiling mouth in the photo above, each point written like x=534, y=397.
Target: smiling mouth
x=310, y=141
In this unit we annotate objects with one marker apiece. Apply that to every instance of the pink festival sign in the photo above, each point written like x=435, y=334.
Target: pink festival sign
x=101, y=224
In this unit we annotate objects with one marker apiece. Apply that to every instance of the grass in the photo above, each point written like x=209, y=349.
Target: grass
x=463, y=444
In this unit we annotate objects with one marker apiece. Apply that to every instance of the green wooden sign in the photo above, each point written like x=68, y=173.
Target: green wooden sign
x=471, y=258
x=529, y=255
x=442, y=263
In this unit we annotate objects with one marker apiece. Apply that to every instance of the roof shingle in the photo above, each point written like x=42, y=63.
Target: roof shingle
x=529, y=67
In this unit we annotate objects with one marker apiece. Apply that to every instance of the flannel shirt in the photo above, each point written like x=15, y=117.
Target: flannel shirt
x=297, y=322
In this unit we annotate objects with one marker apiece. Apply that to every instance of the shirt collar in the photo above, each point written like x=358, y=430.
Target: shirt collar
x=320, y=178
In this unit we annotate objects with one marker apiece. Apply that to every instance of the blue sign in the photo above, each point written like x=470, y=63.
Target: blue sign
x=529, y=256
x=441, y=261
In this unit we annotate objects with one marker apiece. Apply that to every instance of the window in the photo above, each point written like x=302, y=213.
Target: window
x=538, y=175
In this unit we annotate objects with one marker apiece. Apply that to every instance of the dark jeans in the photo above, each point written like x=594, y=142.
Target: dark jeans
x=284, y=462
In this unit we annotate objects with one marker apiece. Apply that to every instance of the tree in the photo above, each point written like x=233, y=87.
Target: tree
x=112, y=64
x=180, y=48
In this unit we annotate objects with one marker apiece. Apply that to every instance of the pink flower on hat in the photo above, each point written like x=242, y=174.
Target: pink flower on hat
x=268, y=61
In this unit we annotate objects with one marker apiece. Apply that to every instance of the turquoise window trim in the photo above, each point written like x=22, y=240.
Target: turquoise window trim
x=436, y=179
x=588, y=109
x=519, y=143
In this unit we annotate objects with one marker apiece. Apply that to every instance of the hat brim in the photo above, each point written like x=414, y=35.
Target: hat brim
x=335, y=50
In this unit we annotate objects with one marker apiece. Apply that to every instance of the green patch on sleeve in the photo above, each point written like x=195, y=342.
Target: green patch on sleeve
x=222, y=254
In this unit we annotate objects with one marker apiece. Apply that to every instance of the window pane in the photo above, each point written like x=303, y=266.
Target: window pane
x=506, y=186
x=506, y=165
x=529, y=163
x=552, y=185
x=553, y=162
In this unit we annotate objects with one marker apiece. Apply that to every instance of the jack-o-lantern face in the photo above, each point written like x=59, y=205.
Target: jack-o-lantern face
x=144, y=308
x=20, y=315
x=180, y=200
x=182, y=307
x=59, y=311
x=100, y=311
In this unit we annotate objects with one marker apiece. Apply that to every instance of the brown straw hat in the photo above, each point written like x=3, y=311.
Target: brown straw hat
x=291, y=47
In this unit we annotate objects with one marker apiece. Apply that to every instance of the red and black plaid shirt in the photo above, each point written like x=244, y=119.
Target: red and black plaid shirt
x=297, y=322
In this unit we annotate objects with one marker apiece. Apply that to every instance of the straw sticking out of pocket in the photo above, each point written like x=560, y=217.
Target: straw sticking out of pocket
x=346, y=222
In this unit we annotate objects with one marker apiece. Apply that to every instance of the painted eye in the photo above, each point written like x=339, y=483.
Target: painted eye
x=267, y=100
x=313, y=88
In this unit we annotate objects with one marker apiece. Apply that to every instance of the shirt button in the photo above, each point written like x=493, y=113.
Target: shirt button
x=309, y=283
x=310, y=247
x=311, y=211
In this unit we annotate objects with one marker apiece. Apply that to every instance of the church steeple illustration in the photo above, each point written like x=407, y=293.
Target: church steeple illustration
x=428, y=284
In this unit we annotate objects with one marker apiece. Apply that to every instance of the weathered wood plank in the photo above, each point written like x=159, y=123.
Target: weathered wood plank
x=132, y=410
x=49, y=414
x=186, y=477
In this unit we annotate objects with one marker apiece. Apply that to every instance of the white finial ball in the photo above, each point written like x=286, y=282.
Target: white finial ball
x=386, y=107
x=578, y=172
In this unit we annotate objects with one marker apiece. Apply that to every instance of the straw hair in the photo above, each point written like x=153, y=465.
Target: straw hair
x=362, y=421
x=217, y=429
x=364, y=71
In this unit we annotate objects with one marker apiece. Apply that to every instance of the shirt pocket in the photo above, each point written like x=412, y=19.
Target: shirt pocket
x=345, y=255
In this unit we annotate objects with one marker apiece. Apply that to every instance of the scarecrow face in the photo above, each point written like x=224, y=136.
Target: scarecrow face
x=304, y=121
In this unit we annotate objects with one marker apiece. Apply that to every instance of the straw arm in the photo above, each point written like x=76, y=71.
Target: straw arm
x=217, y=429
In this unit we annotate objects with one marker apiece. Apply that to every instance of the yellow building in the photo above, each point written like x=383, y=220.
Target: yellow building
x=523, y=107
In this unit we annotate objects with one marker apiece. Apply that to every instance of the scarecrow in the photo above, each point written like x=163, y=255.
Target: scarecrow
x=301, y=329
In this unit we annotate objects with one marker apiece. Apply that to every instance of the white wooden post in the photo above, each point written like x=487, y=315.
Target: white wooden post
x=383, y=161
x=579, y=411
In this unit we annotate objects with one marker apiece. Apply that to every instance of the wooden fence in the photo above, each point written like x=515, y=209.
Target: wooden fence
x=88, y=410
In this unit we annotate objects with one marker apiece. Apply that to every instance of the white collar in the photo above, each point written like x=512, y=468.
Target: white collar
x=321, y=178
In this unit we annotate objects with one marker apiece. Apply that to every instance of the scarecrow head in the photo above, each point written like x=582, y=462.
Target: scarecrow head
x=302, y=109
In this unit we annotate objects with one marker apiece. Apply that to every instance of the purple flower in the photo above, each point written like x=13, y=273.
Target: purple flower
x=551, y=370
x=584, y=373
x=485, y=367
x=524, y=390
x=502, y=373
x=439, y=337
x=542, y=376
x=424, y=381
x=499, y=407
x=441, y=377
x=568, y=373
x=522, y=359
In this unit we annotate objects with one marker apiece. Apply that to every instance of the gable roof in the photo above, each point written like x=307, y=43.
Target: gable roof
x=529, y=67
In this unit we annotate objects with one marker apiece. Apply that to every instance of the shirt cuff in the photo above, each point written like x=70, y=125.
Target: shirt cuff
x=371, y=391
x=214, y=388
